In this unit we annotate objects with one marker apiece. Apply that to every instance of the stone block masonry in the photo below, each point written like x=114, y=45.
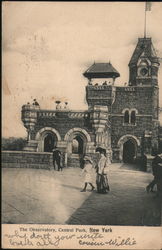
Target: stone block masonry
x=22, y=159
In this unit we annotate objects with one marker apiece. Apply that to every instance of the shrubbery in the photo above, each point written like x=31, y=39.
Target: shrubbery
x=13, y=143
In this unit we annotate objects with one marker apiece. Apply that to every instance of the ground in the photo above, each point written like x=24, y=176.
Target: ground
x=49, y=196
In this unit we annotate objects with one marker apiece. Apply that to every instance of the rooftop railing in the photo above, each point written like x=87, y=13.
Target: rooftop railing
x=63, y=113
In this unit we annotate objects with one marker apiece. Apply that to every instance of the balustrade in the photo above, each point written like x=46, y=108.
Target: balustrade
x=62, y=113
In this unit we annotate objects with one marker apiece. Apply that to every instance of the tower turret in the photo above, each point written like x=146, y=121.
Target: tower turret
x=100, y=90
x=100, y=94
x=29, y=118
x=144, y=64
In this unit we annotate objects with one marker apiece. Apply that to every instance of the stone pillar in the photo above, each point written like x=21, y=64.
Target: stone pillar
x=99, y=119
x=90, y=148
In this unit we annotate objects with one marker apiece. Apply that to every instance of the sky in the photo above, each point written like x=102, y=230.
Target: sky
x=48, y=45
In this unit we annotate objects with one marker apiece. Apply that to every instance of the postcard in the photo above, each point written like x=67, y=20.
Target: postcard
x=81, y=125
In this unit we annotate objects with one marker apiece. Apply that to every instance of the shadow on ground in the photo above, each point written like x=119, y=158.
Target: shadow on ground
x=139, y=211
x=134, y=167
x=52, y=197
x=72, y=187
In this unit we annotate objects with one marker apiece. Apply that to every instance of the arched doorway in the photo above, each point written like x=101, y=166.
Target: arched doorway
x=77, y=139
x=49, y=142
x=47, y=138
x=128, y=147
x=129, y=151
x=77, y=145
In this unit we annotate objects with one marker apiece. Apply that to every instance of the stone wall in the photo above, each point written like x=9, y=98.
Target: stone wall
x=22, y=159
x=63, y=123
x=139, y=98
x=119, y=129
x=134, y=97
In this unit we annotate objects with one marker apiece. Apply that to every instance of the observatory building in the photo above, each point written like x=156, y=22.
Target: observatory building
x=122, y=119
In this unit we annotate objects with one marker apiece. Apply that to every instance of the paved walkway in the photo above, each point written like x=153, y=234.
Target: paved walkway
x=43, y=196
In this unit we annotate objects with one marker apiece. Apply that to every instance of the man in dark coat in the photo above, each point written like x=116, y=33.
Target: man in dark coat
x=57, y=158
x=143, y=162
x=157, y=172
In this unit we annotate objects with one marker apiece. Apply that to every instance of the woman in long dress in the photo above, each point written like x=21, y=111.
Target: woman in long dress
x=101, y=178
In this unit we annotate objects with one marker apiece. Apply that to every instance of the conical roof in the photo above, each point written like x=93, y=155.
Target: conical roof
x=101, y=70
x=146, y=49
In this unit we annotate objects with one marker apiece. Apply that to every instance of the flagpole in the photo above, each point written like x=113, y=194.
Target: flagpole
x=145, y=23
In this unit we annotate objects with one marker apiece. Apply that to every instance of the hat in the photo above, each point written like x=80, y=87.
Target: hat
x=101, y=150
x=88, y=158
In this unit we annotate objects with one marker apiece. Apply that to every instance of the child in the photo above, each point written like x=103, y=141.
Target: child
x=88, y=169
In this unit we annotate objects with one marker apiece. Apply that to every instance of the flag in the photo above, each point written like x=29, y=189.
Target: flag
x=148, y=6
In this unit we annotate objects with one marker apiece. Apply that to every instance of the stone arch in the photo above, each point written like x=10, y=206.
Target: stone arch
x=126, y=109
x=40, y=132
x=134, y=109
x=41, y=135
x=123, y=140
x=84, y=137
x=73, y=130
x=130, y=110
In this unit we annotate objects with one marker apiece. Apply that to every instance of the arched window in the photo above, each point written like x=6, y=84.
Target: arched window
x=133, y=117
x=126, y=116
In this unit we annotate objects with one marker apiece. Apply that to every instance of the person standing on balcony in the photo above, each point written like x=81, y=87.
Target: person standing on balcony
x=66, y=106
x=35, y=102
x=58, y=105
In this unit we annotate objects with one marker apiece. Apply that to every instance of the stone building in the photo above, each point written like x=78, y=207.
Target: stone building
x=122, y=119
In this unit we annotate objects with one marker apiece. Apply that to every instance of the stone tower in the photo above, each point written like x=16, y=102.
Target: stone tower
x=144, y=64
x=143, y=73
x=100, y=96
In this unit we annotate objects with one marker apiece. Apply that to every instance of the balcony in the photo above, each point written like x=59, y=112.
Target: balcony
x=63, y=114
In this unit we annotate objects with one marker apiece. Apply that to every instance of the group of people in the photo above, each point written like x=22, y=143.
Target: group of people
x=60, y=106
x=35, y=103
x=97, y=84
x=101, y=172
x=101, y=169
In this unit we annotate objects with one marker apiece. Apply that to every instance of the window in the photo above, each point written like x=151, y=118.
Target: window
x=133, y=117
x=126, y=116
x=130, y=116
